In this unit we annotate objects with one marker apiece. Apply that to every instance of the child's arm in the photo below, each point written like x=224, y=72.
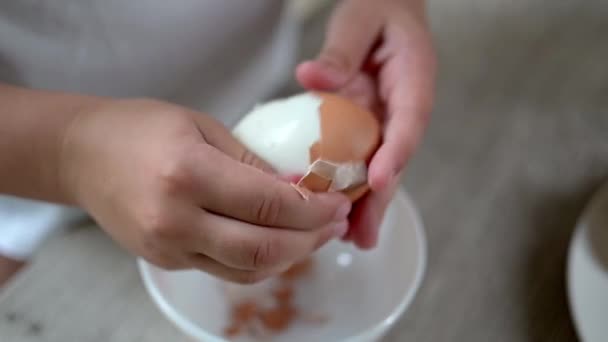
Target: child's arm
x=32, y=123
x=169, y=184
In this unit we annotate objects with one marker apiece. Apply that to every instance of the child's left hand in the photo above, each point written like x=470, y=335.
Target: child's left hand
x=379, y=53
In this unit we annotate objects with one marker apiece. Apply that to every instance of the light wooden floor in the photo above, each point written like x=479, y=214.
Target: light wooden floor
x=518, y=142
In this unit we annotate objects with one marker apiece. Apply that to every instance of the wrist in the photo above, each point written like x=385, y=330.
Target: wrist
x=68, y=176
x=33, y=126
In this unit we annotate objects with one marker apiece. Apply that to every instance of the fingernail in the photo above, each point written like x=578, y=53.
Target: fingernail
x=342, y=212
x=340, y=229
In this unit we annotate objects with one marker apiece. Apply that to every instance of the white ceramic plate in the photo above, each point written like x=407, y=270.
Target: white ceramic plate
x=588, y=271
x=362, y=293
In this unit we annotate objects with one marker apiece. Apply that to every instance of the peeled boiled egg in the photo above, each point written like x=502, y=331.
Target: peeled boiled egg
x=324, y=137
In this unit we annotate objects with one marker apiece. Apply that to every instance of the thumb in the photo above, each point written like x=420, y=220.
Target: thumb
x=352, y=32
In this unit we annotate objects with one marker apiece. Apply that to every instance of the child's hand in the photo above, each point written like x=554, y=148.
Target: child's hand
x=379, y=53
x=174, y=187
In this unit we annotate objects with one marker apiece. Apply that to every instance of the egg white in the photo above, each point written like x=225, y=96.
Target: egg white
x=282, y=131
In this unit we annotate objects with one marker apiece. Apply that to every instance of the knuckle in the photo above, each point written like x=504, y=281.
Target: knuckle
x=164, y=262
x=268, y=209
x=158, y=225
x=155, y=223
x=266, y=254
x=249, y=158
x=174, y=176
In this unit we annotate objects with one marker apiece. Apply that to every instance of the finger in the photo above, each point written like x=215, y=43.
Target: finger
x=249, y=247
x=208, y=265
x=407, y=82
x=243, y=193
x=221, y=138
x=291, y=178
x=367, y=217
x=362, y=91
x=352, y=31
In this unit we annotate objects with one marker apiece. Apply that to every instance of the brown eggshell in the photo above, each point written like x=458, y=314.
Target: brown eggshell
x=349, y=133
x=278, y=319
x=314, y=151
x=315, y=183
x=357, y=192
x=298, y=270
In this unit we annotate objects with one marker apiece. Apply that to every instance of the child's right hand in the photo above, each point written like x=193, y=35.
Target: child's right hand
x=173, y=186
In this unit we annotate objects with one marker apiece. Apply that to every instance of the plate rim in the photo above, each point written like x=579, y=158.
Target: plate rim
x=601, y=194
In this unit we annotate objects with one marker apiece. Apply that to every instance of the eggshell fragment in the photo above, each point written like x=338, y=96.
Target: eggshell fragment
x=253, y=314
x=298, y=270
x=284, y=295
x=278, y=318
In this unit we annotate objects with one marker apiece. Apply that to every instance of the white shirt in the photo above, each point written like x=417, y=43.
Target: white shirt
x=217, y=56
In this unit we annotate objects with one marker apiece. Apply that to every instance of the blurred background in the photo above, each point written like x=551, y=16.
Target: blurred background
x=517, y=143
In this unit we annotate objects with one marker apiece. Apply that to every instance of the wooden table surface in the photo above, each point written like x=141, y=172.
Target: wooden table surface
x=517, y=144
